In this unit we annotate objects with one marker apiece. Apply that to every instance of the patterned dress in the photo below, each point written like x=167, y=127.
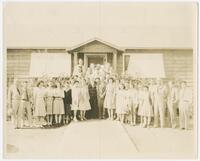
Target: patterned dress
x=110, y=97
x=58, y=104
x=49, y=100
x=84, y=99
x=39, y=102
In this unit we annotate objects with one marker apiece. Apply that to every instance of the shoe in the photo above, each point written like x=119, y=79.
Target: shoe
x=75, y=119
x=155, y=126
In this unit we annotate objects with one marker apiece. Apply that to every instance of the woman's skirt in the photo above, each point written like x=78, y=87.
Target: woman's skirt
x=40, y=109
x=145, y=110
x=109, y=103
x=49, y=105
x=58, y=106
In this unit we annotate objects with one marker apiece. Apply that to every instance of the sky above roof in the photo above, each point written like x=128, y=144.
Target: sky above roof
x=66, y=24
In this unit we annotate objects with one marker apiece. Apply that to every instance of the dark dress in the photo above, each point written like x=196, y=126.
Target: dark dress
x=93, y=113
x=68, y=101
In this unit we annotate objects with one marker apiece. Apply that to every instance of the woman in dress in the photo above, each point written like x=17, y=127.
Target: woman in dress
x=58, y=104
x=67, y=102
x=84, y=100
x=49, y=103
x=75, y=99
x=109, y=102
x=146, y=111
x=121, y=103
x=39, y=103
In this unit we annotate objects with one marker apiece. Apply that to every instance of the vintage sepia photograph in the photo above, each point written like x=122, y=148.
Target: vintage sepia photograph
x=100, y=80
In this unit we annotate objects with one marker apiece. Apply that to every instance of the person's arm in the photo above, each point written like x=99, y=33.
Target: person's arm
x=9, y=97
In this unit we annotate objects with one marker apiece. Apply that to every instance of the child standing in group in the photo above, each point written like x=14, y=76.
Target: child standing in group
x=58, y=104
x=133, y=96
x=121, y=103
x=75, y=99
x=146, y=111
x=109, y=102
x=67, y=102
x=84, y=100
x=49, y=103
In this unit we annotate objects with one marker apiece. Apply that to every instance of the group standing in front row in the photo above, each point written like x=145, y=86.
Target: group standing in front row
x=56, y=102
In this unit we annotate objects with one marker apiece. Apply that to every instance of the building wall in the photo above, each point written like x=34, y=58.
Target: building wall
x=178, y=63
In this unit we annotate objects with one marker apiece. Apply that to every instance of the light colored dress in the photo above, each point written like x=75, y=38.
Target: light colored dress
x=49, y=100
x=146, y=108
x=84, y=103
x=110, y=98
x=58, y=103
x=133, y=95
x=76, y=93
x=121, y=102
x=39, y=101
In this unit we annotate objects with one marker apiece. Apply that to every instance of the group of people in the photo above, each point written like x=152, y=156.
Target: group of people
x=99, y=93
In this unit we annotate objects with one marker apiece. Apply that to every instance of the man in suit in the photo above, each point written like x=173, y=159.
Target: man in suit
x=160, y=104
x=14, y=97
x=172, y=100
x=185, y=102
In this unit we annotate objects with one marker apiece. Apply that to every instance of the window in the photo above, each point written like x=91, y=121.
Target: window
x=50, y=64
x=144, y=65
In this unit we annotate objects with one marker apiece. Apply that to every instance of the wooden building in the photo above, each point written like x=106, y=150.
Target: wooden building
x=177, y=62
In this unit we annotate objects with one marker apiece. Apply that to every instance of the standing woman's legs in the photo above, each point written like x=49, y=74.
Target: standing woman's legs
x=112, y=114
x=75, y=112
x=109, y=114
x=84, y=118
x=148, y=121
x=59, y=118
x=81, y=113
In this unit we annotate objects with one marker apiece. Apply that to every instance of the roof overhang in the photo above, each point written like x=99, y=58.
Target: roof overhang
x=74, y=48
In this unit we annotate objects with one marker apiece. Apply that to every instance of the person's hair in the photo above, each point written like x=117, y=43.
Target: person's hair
x=76, y=81
x=123, y=86
x=183, y=82
x=40, y=82
x=111, y=79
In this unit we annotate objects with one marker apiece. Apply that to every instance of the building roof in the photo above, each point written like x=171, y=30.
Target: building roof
x=93, y=40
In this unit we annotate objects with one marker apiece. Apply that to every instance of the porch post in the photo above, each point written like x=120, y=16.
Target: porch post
x=115, y=61
x=75, y=58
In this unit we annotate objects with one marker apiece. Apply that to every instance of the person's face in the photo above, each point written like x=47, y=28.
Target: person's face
x=183, y=85
x=24, y=85
x=76, y=84
x=97, y=80
x=121, y=87
x=110, y=81
x=58, y=85
x=41, y=85
x=80, y=62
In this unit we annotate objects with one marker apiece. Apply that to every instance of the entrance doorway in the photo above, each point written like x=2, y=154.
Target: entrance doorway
x=94, y=59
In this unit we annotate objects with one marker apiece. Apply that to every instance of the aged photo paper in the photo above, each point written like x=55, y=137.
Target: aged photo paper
x=100, y=80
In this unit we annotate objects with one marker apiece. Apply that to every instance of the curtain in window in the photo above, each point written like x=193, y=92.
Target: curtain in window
x=50, y=64
x=146, y=65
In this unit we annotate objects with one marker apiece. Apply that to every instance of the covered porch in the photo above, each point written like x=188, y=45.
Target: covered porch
x=95, y=51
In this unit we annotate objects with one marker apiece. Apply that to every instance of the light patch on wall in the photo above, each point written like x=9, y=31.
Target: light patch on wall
x=50, y=64
x=146, y=65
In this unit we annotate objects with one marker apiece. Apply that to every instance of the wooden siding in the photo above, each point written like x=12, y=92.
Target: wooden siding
x=178, y=63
